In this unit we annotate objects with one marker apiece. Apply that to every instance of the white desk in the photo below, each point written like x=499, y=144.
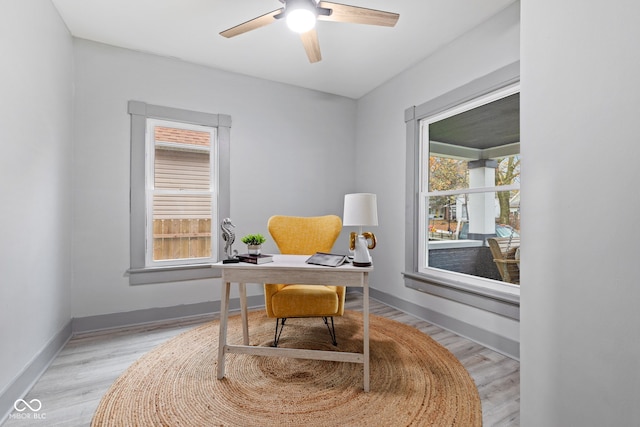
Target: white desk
x=290, y=269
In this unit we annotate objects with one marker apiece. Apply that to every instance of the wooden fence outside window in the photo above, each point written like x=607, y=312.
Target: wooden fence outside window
x=181, y=239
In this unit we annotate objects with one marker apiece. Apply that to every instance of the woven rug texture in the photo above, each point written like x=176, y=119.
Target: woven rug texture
x=414, y=380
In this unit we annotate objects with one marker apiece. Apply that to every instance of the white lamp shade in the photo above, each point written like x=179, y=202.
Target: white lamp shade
x=360, y=209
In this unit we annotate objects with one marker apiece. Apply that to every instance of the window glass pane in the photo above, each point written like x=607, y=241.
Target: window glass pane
x=182, y=196
x=447, y=174
x=182, y=137
x=471, y=190
x=181, y=226
x=182, y=170
x=458, y=235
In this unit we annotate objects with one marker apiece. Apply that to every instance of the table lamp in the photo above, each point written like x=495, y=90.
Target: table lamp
x=361, y=209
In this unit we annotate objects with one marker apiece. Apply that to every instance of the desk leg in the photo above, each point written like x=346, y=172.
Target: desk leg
x=222, y=338
x=243, y=311
x=365, y=312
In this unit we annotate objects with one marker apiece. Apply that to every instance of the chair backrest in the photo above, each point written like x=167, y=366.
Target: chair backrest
x=503, y=250
x=297, y=235
x=503, y=247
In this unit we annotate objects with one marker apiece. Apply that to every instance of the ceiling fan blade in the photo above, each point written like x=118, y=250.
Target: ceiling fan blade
x=253, y=24
x=311, y=45
x=358, y=15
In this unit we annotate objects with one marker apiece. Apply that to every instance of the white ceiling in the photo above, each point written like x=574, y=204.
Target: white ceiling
x=355, y=58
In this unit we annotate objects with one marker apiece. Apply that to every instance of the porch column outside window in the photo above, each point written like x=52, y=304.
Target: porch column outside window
x=482, y=206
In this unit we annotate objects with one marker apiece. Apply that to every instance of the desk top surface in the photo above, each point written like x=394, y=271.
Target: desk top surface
x=290, y=262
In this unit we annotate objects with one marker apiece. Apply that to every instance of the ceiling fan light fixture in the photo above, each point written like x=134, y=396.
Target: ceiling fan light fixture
x=301, y=15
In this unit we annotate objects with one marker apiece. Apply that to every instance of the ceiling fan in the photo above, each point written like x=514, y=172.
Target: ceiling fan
x=301, y=17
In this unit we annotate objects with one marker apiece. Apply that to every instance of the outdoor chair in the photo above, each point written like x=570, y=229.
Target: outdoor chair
x=504, y=251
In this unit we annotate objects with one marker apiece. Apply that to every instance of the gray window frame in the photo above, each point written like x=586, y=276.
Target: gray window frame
x=496, y=301
x=140, y=111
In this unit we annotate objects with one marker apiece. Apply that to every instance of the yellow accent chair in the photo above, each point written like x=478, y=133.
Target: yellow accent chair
x=304, y=236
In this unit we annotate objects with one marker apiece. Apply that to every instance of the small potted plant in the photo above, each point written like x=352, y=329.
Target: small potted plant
x=254, y=243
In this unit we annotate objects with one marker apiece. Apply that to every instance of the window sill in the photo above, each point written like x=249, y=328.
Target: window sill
x=174, y=273
x=503, y=302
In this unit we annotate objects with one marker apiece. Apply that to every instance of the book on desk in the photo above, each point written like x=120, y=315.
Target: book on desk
x=255, y=259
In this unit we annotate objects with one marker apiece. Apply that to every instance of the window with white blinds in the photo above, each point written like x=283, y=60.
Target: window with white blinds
x=180, y=189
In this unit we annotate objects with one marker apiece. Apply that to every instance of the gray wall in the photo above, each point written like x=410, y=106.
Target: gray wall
x=580, y=148
x=291, y=153
x=381, y=139
x=35, y=182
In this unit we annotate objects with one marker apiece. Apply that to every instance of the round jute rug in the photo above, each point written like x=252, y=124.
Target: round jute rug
x=414, y=380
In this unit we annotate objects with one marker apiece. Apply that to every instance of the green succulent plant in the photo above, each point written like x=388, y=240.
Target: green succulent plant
x=253, y=239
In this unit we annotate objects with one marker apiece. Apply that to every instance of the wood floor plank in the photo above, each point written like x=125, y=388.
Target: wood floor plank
x=71, y=388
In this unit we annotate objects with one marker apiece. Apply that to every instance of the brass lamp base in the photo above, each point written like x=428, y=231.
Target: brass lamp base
x=361, y=243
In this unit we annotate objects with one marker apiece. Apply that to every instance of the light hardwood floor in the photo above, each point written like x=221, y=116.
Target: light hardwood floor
x=74, y=383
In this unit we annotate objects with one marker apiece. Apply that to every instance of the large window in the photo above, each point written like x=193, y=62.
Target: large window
x=464, y=191
x=470, y=186
x=179, y=192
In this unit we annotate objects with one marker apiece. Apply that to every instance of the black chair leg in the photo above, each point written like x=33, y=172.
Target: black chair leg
x=279, y=328
x=332, y=329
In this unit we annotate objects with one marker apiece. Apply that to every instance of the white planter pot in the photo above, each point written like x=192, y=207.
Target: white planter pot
x=254, y=249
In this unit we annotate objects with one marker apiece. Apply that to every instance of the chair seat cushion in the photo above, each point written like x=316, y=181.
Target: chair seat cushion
x=305, y=301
